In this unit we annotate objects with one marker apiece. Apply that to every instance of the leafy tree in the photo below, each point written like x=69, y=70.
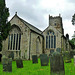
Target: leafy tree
x=72, y=43
x=4, y=24
x=73, y=19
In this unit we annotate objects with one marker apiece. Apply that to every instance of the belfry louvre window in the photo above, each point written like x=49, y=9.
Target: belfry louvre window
x=14, y=41
x=50, y=40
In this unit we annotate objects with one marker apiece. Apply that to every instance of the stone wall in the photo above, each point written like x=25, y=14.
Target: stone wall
x=36, y=48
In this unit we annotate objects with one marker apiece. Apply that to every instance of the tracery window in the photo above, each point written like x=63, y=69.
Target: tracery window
x=38, y=44
x=14, y=38
x=50, y=39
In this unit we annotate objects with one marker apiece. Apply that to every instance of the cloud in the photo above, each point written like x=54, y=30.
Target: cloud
x=36, y=12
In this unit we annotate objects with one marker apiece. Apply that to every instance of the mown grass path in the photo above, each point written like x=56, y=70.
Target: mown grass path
x=36, y=69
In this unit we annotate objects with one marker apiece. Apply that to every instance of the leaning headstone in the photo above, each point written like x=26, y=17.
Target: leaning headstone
x=19, y=63
x=5, y=63
x=10, y=65
x=74, y=59
x=67, y=57
x=44, y=60
x=58, y=50
x=34, y=59
x=56, y=64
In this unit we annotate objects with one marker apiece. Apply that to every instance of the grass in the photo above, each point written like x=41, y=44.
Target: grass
x=36, y=69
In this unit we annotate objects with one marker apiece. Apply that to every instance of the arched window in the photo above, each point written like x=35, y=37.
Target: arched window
x=38, y=44
x=50, y=40
x=14, y=38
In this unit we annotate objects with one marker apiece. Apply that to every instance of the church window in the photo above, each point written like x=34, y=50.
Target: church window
x=14, y=41
x=50, y=40
x=46, y=41
x=55, y=24
x=11, y=41
x=38, y=42
x=48, y=33
x=54, y=41
x=14, y=38
x=17, y=42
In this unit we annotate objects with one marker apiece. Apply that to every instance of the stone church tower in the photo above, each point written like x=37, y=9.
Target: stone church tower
x=56, y=22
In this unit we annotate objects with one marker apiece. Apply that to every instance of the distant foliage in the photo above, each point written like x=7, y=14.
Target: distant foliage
x=4, y=24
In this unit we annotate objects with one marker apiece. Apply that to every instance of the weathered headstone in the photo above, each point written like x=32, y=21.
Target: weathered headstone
x=11, y=55
x=10, y=65
x=5, y=63
x=57, y=64
x=58, y=50
x=19, y=63
x=51, y=52
x=74, y=59
x=34, y=59
x=67, y=57
x=44, y=59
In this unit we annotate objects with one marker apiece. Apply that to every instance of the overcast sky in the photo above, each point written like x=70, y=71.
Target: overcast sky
x=36, y=12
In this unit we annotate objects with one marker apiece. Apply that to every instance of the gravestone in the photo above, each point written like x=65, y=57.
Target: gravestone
x=5, y=63
x=44, y=59
x=10, y=65
x=11, y=55
x=58, y=50
x=67, y=57
x=34, y=59
x=57, y=64
x=19, y=63
x=74, y=59
x=51, y=51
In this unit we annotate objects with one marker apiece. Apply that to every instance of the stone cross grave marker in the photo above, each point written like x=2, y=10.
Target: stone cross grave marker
x=34, y=59
x=56, y=64
x=44, y=60
x=19, y=63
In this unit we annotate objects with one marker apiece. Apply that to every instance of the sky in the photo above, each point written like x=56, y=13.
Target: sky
x=36, y=12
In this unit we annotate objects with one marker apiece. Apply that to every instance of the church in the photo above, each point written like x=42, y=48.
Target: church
x=25, y=40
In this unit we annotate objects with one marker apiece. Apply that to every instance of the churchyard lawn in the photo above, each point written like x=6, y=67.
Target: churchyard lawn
x=36, y=69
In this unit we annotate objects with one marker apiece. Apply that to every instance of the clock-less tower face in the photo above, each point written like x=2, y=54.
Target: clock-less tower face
x=56, y=22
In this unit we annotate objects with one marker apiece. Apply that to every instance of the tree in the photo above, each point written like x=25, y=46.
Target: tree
x=4, y=24
x=72, y=43
x=73, y=19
